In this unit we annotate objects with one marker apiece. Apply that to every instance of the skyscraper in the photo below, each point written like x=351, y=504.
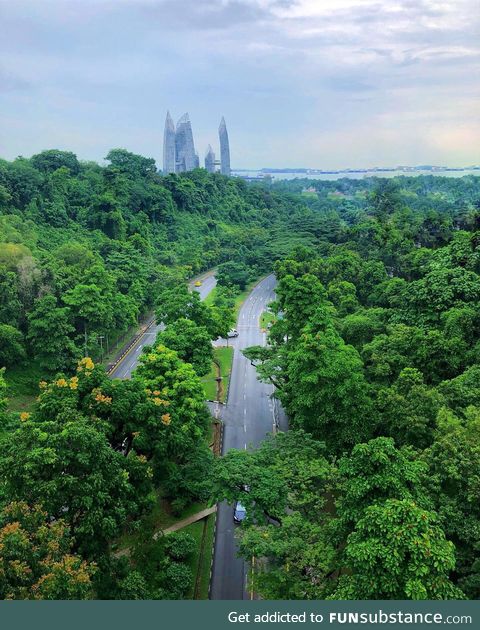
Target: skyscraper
x=169, y=146
x=224, y=148
x=210, y=160
x=186, y=160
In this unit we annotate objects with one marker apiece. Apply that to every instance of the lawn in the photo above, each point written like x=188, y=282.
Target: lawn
x=266, y=318
x=221, y=366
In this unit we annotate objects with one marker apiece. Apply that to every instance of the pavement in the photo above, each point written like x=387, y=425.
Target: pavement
x=247, y=417
x=129, y=362
x=186, y=521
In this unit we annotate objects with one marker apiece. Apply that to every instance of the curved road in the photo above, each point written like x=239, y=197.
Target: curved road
x=247, y=418
x=125, y=368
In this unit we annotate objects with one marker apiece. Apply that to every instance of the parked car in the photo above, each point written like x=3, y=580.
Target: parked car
x=198, y=283
x=239, y=512
x=232, y=333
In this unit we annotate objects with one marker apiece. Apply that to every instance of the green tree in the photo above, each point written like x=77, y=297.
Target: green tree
x=233, y=274
x=453, y=482
x=36, y=561
x=408, y=410
x=72, y=470
x=180, y=303
x=191, y=342
x=10, y=305
x=326, y=393
x=53, y=159
x=398, y=551
x=179, y=450
x=50, y=332
x=12, y=349
x=374, y=472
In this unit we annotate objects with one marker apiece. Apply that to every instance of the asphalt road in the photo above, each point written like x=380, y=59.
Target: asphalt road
x=125, y=368
x=247, y=417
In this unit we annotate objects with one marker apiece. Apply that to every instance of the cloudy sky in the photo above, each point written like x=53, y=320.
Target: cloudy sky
x=315, y=83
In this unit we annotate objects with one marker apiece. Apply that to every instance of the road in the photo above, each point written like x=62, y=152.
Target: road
x=247, y=418
x=126, y=366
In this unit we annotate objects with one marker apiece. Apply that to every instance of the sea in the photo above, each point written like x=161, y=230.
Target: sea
x=278, y=175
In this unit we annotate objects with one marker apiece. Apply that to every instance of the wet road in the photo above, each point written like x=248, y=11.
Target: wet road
x=248, y=417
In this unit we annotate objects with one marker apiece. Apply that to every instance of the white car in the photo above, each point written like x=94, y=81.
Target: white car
x=232, y=333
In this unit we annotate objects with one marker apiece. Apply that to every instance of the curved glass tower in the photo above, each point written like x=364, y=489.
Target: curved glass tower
x=224, y=148
x=186, y=159
x=210, y=160
x=169, y=146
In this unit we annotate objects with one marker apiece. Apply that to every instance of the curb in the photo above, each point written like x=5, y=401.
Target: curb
x=133, y=343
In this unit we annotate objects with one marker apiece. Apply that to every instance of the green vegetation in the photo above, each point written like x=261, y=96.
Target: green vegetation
x=375, y=359
x=220, y=368
x=86, y=251
x=373, y=349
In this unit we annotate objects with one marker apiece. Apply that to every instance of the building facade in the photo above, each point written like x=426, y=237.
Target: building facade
x=186, y=158
x=210, y=160
x=169, y=146
x=224, y=148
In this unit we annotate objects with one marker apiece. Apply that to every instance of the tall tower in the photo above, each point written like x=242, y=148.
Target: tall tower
x=186, y=160
x=210, y=160
x=224, y=148
x=169, y=146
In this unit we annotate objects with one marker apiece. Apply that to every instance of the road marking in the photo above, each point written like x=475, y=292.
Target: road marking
x=245, y=446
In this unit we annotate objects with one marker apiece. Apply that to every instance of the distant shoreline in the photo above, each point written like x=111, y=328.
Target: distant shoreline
x=275, y=174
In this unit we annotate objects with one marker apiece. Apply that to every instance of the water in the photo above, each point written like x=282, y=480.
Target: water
x=350, y=175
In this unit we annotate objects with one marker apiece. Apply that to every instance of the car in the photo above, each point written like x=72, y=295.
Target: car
x=239, y=512
x=198, y=283
x=232, y=333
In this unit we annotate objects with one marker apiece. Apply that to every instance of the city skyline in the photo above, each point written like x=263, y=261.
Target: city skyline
x=179, y=154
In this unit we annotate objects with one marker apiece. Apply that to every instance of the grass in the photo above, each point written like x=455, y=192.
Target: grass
x=210, y=297
x=196, y=531
x=221, y=366
x=266, y=318
x=22, y=382
x=198, y=563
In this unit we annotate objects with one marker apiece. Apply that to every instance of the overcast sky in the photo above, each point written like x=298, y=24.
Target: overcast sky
x=314, y=83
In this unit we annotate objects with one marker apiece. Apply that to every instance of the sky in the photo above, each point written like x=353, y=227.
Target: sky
x=301, y=83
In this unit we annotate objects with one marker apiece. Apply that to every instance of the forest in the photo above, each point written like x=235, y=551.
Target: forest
x=374, y=353
x=373, y=350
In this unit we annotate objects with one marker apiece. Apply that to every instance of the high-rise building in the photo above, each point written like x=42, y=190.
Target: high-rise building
x=210, y=160
x=169, y=146
x=186, y=159
x=224, y=148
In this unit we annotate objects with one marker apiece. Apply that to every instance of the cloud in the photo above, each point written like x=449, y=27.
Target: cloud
x=281, y=71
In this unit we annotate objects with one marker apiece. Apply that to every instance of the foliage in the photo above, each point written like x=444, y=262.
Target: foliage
x=35, y=557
